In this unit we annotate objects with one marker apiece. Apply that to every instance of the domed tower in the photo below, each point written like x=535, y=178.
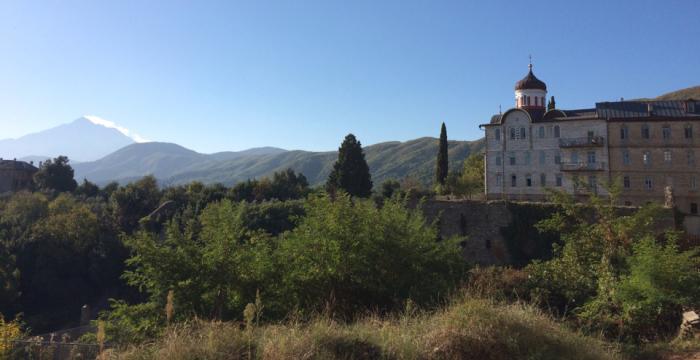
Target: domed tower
x=530, y=92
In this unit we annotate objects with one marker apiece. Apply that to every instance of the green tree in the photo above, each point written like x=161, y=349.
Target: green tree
x=352, y=255
x=472, y=178
x=87, y=189
x=134, y=201
x=350, y=172
x=551, y=105
x=55, y=175
x=441, y=168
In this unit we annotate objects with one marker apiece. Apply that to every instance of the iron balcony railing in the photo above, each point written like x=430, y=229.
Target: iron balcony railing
x=590, y=141
x=582, y=166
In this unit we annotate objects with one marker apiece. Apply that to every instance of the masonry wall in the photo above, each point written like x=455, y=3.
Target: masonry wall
x=499, y=232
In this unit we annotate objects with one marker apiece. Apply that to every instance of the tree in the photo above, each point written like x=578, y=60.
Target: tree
x=350, y=172
x=473, y=174
x=87, y=189
x=365, y=257
x=551, y=105
x=55, y=175
x=442, y=167
x=134, y=201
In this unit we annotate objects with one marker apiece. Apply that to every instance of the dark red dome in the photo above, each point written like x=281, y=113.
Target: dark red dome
x=530, y=81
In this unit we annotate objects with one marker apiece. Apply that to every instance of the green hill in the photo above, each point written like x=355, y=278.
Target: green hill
x=173, y=164
x=683, y=94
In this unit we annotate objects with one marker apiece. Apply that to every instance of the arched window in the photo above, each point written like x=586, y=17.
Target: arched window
x=556, y=131
x=522, y=133
x=497, y=134
x=541, y=132
x=512, y=133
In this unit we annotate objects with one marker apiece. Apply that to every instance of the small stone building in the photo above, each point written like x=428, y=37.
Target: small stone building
x=16, y=175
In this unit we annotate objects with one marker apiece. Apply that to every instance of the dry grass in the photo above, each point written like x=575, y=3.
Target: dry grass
x=469, y=329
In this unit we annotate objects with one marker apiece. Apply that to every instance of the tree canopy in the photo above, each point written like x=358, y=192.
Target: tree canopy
x=350, y=172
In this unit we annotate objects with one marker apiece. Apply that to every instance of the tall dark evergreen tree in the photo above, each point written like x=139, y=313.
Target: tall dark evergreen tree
x=442, y=167
x=351, y=172
x=551, y=105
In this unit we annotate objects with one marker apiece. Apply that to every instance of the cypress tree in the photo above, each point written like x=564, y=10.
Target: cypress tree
x=441, y=168
x=551, y=105
x=350, y=172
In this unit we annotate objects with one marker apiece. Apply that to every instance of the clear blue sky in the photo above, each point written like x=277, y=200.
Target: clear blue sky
x=229, y=75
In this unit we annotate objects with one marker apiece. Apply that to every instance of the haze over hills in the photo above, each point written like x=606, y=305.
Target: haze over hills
x=85, y=139
x=173, y=164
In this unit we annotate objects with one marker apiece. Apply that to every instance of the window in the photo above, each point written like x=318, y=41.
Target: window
x=513, y=180
x=626, y=182
x=522, y=133
x=511, y=159
x=590, y=136
x=646, y=134
x=648, y=183
x=593, y=183
x=537, y=100
x=693, y=183
x=590, y=157
x=558, y=180
x=549, y=131
x=556, y=131
x=667, y=156
x=541, y=132
x=497, y=134
x=498, y=160
x=528, y=100
x=691, y=158
x=688, y=131
x=694, y=208
x=646, y=158
x=666, y=132
x=574, y=157
x=557, y=158
x=499, y=179
x=625, y=157
x=527, y=158
x=543, y=157
x=512, y=133
x=624, y=133
x=528, y=180
x=543, y=179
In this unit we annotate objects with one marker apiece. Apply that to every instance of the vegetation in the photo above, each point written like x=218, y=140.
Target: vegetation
x=467, y=329
x=442, y=165
x=350, y=172
x=273, y=269
x=55, y=175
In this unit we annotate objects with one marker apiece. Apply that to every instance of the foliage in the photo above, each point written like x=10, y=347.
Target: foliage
x=522, y=239
x=134, y=201
x=612, y=274
x=472, y=178
x=55, y=175
x=551, y=104
x=350, y=172
x=284, y=185
x=9, y=330
x=349, y=255
x=87, y=189
x=441, y=167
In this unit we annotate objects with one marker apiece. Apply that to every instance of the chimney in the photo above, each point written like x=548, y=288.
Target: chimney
x=650, y=109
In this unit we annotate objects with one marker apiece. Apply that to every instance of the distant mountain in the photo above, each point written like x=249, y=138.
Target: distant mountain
x=683, y=94
x=173, y=164
x=80, y=140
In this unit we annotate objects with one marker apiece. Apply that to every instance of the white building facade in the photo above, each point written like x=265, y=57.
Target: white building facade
x=530, y=148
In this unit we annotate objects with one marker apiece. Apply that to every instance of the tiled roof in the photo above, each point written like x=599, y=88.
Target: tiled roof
x=530, y=81
x=641, y=109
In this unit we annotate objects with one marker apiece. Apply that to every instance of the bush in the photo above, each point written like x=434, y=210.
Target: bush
x=352, y=256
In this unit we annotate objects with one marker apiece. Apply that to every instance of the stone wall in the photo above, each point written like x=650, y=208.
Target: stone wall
x=499, y=232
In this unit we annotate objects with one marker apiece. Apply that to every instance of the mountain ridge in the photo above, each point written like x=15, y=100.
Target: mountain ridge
x=173, y=164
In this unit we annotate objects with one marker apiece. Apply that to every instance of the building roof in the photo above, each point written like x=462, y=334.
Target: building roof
x=530, y=81
x=645, y=109
x=16, y=165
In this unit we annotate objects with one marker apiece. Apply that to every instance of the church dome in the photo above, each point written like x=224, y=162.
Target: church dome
x=530, y=81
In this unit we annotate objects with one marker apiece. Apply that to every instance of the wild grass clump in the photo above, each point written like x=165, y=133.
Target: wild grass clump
x=468, y=329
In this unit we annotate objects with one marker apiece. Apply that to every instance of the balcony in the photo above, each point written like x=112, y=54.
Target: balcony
x=591, y=141
x=582, y=166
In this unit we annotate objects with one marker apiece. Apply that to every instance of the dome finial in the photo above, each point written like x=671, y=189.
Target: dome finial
x=529, y=66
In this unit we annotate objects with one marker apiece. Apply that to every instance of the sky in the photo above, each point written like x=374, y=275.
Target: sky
x=232, y=75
